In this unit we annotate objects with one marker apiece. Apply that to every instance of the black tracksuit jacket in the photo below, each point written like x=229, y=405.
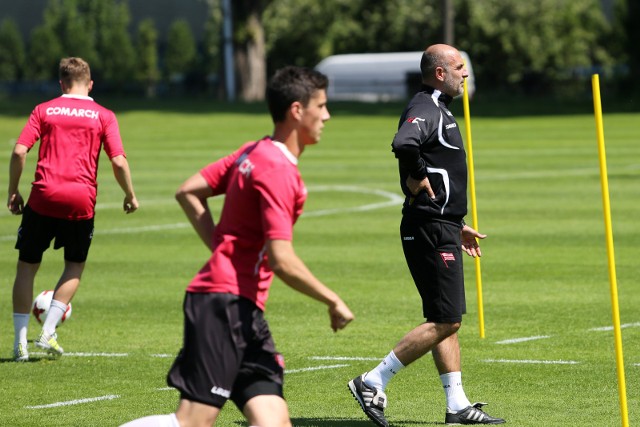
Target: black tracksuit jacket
x=428, y=144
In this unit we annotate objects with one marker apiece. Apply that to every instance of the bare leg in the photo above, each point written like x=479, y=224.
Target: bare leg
x=23, y=286
x=194, y=414
x=423, y=339
x=69, y=281
x=446, y=355
x=267, y=411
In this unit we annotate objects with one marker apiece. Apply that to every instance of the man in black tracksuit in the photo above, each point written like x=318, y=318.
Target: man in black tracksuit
x=433, y=177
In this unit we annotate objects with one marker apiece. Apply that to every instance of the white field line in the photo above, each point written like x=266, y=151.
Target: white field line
x=610, y=328
x=523, y=339
x=343, y=358
x=498, y=177
x=314, y=368
x=392, y=199
x=144, y=229
x=39, y=353
x=97, y=354
x=542, y=362
x=74, y=402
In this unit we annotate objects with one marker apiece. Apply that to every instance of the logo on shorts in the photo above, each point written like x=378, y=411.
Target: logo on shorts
x=220, y=391
x=279, y=360
x=447, y=256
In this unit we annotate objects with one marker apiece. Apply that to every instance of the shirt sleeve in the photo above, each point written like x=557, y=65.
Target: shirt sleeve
x=406, y=143
x=278, y=195
x=217, y=173
x=31, y=131
x=112, y=140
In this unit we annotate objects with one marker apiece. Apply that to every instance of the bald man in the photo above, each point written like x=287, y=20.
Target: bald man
x=433, y=178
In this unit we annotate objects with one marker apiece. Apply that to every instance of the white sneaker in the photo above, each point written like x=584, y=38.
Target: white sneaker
x=20, y=353
x=49, y=343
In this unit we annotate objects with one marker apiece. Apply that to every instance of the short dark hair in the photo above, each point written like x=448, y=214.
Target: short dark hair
x=291, y=84
x=74, y=70
x=429, y=62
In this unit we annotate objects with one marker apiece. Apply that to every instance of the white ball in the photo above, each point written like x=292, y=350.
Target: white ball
x=41, y=305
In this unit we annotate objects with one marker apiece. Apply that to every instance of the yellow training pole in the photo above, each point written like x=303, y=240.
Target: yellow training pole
x=474, y=210
x=622, y=391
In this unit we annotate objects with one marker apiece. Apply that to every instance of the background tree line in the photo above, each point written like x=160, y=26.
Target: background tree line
x=541, y=46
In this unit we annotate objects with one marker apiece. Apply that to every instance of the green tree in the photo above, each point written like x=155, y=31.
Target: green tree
x=303, y=32
x=629, y=12
x=147, y=72
x=180, y=56
x=211, y=58
x=12, y=54
x=539, y=46
x=74, y=27
x=115, y=43
x=250, y=48
x=43, y=55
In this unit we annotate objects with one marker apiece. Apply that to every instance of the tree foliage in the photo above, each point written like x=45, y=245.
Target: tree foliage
x=303, y=32
x=12, y=53
x=43, y=54
x=180, y=55
x=74, y=28
x=250, y=47
x=534, y=44
x=147, y=69
x=630, y=18
x=113, y=42
x=96, y=31
x=542, y=45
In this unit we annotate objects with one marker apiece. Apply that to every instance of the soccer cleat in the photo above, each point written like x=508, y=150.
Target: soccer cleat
x=20, y=353
x=49, y=343
x=471, y=415
x=371, y=400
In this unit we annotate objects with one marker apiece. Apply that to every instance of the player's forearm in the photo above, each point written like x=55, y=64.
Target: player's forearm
x=16, y=166
x=122, y=174
x=292, y=271
x=199, y=215
x=306, y=283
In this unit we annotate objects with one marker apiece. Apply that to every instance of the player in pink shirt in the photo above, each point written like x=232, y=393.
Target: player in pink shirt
x=228, y=352
x=72, y=130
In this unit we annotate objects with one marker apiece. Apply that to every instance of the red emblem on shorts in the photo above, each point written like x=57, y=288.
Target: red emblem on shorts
x=447, y=256
x=279, y=360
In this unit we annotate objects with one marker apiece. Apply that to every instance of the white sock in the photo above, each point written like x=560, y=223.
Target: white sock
x=382, y=374
x=168, y=420
x=56, y=311
x=452, y=384
x=20, y=325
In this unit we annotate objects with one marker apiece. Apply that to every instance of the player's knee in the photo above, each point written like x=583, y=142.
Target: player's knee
x=448, y=329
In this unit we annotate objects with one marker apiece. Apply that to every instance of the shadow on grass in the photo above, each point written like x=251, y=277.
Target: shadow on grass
x=32, y=359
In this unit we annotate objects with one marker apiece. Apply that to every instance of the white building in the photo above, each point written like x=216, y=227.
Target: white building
x=374, y=77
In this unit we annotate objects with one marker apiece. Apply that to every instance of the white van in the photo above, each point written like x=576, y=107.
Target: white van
x=374, y=77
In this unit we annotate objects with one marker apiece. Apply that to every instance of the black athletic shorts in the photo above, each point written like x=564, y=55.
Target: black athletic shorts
x=227, y=353
x=434, y=256
x=37, y=231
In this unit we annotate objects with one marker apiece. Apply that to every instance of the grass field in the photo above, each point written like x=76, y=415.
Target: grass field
x=548, y=358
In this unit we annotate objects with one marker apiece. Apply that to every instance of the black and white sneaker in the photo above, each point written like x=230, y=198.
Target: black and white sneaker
x=372, y=400
x=471, y=415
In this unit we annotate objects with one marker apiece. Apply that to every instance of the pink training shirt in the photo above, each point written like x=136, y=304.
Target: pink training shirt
x=71, y=129
x=264, y=198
